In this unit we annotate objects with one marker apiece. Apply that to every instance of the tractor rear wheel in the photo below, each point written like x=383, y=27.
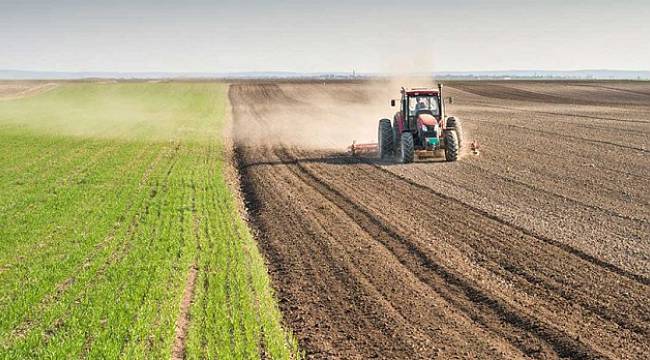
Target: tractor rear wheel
x=407, y=148
x=385, y=135
x=453, y=123
x=451, y=145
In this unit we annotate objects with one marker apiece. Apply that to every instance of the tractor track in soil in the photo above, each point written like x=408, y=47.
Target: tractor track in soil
x=370, y=259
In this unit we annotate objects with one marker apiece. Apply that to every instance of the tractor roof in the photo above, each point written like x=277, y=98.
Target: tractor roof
x=420, y=91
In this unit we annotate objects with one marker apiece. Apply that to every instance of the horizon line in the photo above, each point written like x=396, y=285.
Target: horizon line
x=319, y=71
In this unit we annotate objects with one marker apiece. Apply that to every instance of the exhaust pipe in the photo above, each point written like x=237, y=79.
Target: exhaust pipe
x=441, y=101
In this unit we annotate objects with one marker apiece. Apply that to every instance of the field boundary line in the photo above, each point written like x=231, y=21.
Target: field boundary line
x=183, y=320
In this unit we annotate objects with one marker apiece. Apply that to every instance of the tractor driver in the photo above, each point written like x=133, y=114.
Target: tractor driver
x=421, y=105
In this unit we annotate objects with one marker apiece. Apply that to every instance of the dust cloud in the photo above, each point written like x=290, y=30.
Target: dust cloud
x=12, y=90
x=329, y=115
x=317, y=115
x=314, y=115
x=121, y=111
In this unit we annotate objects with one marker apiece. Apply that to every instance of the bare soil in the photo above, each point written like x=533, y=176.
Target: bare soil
x=539, y=247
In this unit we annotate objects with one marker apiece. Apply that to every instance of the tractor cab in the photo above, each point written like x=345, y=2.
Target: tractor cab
x=422, y=104
x=420, y=114
x=415, y=101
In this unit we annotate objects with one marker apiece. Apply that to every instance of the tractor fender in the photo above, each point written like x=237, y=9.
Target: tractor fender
x=398, y=123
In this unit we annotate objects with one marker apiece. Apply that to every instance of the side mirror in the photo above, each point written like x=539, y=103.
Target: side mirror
x=392, y=103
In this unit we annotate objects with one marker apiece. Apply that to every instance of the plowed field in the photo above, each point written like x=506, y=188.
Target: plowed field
x=538, y=247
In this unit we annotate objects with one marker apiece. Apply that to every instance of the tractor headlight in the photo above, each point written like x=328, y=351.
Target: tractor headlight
x=424, y=128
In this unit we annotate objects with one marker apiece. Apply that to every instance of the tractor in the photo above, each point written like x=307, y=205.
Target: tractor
x=420, y=127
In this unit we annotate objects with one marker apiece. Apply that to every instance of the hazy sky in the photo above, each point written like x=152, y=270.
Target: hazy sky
x=279, y=35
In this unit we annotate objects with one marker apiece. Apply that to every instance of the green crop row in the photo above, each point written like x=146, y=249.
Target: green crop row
x=111, y=195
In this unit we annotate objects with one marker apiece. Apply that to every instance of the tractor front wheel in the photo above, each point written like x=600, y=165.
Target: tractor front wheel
x=385, y=139
x=451, y=145
x=407, y=148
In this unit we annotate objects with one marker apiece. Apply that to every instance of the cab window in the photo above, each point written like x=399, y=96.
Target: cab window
x=418, y=103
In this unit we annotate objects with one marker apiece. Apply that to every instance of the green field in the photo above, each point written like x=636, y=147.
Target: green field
x=111, y=196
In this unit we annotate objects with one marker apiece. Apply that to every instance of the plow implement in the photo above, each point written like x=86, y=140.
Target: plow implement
x=373, y=148
x=356, y=149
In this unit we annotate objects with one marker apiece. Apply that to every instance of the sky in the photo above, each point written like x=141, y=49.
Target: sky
x=323, y=36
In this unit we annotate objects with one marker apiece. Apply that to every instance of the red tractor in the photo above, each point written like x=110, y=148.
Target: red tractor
x=420, y=127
